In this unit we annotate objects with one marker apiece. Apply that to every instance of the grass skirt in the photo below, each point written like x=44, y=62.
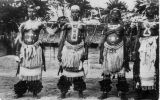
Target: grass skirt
x=71, y=58
x=113, y=58
x=31, y=63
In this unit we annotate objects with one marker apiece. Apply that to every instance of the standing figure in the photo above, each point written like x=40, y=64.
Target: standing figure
x=30, y=55
x=147, y=57
x=113, y=54
x=72, y=52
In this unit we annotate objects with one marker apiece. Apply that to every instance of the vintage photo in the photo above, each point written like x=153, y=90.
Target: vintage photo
x=79, y=50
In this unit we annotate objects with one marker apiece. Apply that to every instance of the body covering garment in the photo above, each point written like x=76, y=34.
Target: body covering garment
x=71, y=58
x=147, y=52
x=31, y=65
x=30, y=52
x=113, y=57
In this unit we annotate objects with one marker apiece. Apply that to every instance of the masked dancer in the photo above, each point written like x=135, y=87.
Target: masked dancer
x=72, y=52
x=30, y=55
x=113, y=54
x=146, y=66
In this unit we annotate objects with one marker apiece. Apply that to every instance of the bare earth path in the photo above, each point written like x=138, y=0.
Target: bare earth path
x=50, y=78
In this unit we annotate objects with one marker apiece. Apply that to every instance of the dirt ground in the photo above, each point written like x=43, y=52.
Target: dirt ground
x=50, y=91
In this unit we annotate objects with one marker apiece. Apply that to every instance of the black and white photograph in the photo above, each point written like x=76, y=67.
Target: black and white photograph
x=79, y=50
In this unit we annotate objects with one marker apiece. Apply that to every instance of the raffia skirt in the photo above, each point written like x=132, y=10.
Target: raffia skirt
x=113, y=58
x=31, y=63
x=71, y=59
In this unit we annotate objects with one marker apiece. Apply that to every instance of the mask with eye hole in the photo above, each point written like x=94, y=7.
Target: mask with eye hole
x=75, y=12
x=31, y=14
x=115, y=15
x=150, y=11
x=32, y=9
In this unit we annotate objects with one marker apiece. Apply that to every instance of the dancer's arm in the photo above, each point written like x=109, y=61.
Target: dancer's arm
x=62, y=41
x=101, y=44
x=86, y=44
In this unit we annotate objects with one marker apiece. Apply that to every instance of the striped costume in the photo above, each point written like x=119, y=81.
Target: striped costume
x=31, y=56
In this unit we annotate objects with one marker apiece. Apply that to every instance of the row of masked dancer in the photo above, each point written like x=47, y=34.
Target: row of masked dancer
x=73, y=51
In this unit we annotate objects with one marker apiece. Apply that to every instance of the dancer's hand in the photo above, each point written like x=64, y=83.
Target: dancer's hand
x=101, y=60
x=127, y=69
x=84, y=56
x=59, y=57
x=17, y=59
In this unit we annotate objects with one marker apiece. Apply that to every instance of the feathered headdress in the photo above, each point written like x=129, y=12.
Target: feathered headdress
x=33, y=7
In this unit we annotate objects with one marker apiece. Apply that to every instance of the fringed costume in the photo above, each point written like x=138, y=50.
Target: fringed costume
x=73, y=50
x=114, y=64
x=73, y=71
x=31, y=65
x=113, y=55
x=113, y=58
x=31, y=56
x=148, y=54
x=71, y=59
